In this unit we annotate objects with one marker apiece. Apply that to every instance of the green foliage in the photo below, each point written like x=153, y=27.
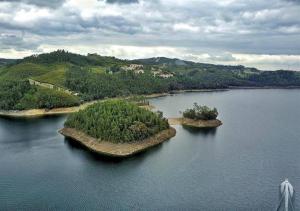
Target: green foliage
x=276, y=78
x=62, y=56
x=11, y=92
x=97, y=77
x=200, y=113
x=56, y=76
x=98, y=86
x=117, y=121
x=20, y=95
x=97, y=69
x=58, y=56
x=47, y=98
x=23, y=71
x=139, y=100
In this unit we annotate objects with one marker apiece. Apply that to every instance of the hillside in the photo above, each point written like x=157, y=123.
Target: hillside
x=96, y=77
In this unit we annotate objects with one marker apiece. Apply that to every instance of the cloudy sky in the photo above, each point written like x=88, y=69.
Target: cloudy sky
x=259, y=33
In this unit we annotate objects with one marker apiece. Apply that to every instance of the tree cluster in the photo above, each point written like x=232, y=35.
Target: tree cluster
x=20, y=95
x=98, y=86
x=200, y=113
x=117, y=121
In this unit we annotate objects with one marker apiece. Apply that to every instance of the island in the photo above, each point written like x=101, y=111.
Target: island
x=198, y=117
x=117, y=128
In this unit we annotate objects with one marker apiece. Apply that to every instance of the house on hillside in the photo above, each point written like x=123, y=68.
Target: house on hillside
x=136, y=68
x=161, y=74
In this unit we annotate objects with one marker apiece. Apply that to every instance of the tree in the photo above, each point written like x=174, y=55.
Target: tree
x=200, y=113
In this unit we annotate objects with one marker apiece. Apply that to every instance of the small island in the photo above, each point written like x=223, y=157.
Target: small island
x=199, y=117
x=117, y=128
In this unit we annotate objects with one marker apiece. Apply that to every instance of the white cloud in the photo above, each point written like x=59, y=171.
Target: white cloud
x=31, y=14
x=185, y=27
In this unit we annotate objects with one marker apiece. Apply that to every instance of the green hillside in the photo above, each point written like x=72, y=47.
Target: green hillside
x=97, y=77
x=20, y=95
x=56, y=75
x=23, y=71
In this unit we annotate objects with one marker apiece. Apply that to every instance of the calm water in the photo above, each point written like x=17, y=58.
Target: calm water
x=235, y=167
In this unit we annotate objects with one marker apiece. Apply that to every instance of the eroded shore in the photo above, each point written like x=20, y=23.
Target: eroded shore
x=120, y=149
x=195, y=123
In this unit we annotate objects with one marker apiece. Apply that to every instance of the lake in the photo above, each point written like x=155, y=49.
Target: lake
x=237, y=166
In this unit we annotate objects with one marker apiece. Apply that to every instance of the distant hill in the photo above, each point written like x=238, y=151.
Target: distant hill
x=163, y=61
x=62, y=56
x=6, y=61
x=94, y=76
x=177, y=63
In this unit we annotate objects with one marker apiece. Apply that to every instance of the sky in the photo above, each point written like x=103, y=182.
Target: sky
x=255, y=33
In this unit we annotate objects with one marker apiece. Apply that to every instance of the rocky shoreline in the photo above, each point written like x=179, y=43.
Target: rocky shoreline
x=120, y=149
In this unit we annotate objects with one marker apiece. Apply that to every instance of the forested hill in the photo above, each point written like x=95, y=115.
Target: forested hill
x=60, y=56
x=163, y=61
x=95, y=77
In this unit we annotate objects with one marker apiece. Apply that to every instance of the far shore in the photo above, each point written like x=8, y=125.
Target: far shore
x=68, y=110
x=117, y=149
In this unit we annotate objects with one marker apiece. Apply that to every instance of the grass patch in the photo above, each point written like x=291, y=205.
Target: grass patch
x=56, y=76
x=23, y=71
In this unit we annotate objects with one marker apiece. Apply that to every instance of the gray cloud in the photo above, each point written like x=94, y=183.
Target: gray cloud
x=16, y=42
x=213, y=26
x=48, y=3
x=122, y=1
x=294, y=1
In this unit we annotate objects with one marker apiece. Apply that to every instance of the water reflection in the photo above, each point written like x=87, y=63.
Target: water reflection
x=201, y=131
x=22, y=134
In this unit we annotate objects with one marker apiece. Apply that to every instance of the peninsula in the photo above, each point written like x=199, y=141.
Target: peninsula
x=117, y=128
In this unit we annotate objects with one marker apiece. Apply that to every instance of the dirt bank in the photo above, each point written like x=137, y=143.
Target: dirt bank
x=117, y=150
x=195, y=123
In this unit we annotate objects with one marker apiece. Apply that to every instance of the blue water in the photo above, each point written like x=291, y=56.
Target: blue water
x=235, y=167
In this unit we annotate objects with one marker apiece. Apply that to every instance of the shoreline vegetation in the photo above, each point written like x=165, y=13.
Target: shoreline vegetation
x=198, y=117
x=117, y=128
x=68, y=110
x=29, y=113
x=61, y=82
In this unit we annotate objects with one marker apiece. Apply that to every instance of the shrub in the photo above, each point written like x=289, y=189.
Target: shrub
x=200, y=113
